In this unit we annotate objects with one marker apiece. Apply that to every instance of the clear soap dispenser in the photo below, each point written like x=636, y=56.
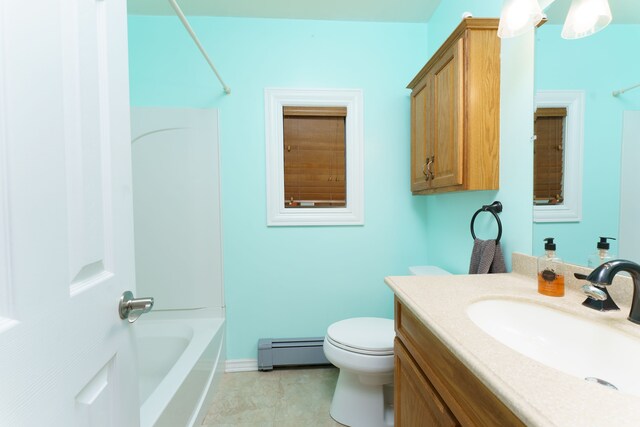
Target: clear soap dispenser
x=550, y=271
x=602, y=255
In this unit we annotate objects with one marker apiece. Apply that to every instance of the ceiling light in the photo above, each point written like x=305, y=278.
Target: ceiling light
x=585, y=18
x=518, y=17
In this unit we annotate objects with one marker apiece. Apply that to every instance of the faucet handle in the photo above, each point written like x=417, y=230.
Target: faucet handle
x=598, y=298
x=594, y=292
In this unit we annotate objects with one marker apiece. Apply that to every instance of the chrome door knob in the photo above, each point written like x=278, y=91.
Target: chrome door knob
x=131, y=308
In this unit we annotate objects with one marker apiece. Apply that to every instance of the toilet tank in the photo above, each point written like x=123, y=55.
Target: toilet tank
x=428, y=270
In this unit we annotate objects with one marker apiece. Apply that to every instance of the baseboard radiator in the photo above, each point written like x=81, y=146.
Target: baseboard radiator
x=290, y=352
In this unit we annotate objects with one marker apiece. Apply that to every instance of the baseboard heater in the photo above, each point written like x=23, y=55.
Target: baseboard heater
x=290, y=352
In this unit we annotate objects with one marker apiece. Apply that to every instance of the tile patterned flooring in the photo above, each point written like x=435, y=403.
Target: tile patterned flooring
x=282, y=397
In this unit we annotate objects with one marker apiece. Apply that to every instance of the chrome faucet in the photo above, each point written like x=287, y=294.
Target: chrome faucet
x=603, y=275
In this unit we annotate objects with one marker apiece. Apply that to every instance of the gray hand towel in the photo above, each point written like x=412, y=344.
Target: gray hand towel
x=486, y=257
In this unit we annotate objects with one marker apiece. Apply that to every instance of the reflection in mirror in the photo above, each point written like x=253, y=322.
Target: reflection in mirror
x=598, y=65
x=549, y=124
x=630, y=177
x=564, y=166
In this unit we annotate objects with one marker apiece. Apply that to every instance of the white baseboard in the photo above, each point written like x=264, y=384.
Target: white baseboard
x=241, y=365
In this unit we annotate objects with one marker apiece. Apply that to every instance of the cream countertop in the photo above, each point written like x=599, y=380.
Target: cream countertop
x=537, y=394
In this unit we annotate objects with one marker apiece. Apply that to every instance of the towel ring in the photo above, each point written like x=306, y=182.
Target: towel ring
x=494, y=208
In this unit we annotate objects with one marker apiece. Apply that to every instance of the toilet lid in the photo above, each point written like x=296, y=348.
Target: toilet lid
x=367, y=335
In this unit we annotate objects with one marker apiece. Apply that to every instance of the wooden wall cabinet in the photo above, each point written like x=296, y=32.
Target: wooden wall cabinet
x=455, y=113
x=433, y=387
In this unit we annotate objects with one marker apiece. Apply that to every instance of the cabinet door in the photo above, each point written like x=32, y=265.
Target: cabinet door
x=421, y=98
x=448, y=118
x=416, y=402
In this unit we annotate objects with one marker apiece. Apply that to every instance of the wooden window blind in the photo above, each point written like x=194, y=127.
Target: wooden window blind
x=549, y=125
x=314, y=157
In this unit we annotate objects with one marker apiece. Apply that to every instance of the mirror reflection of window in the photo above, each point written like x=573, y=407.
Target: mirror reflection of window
x=314, y=157
x=549, y=148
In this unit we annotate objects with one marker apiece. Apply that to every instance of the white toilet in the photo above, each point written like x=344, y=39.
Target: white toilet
x=362, y=348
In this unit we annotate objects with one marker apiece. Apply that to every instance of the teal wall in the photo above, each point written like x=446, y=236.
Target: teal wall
x=449, y=14
x=295, y=281
x=597, y=65
x=447, y=216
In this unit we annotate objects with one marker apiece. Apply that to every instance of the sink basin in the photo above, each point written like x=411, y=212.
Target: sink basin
x=560, y=340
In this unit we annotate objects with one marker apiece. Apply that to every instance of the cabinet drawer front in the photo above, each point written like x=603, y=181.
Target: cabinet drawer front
x=416, y=402
x=470, y=401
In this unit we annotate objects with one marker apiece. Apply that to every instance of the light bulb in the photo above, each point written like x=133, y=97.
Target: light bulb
x=518, y=17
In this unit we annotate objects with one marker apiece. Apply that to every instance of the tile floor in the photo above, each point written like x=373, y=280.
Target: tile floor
x=282, y=397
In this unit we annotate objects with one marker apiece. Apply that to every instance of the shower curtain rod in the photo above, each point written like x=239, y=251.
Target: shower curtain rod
x=618, y=92
x=183, y=18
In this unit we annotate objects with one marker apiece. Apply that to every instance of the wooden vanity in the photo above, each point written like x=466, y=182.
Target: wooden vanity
x=432, y=387
x=449, y=372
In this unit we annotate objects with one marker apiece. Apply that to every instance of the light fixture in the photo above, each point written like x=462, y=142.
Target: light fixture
x=585, y=18
x=518, y=17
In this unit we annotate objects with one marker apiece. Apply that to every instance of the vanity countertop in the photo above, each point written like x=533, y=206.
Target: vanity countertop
x=537, y=394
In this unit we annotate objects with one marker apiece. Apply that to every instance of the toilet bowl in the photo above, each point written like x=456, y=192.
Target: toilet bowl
x=363, y=350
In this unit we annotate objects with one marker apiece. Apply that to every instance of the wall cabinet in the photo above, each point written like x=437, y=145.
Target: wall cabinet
x=455, y=113
x=433, y=387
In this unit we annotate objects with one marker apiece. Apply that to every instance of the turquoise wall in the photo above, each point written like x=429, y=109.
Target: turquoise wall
x=447, y=216
x=295, y=281
x=449, y=14
x=597, y=65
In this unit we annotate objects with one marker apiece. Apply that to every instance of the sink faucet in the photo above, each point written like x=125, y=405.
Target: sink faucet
x=603, y=275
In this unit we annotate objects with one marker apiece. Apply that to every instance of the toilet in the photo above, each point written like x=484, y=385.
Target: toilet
x=362, y=348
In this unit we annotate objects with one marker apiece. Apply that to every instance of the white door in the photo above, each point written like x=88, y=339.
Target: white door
x=66, y=238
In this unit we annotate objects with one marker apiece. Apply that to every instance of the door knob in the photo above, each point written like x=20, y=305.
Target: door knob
x=131, y=308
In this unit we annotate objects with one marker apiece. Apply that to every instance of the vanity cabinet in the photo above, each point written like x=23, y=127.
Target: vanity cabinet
x=455, y=113
x=432, y=387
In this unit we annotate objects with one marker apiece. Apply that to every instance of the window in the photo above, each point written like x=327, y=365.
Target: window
x=549, y=126
x=314, y=157
x=314, y=167
x=558, y=156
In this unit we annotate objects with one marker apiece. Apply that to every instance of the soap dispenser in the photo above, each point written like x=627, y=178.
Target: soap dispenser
x=550, y=271
x=602, y=255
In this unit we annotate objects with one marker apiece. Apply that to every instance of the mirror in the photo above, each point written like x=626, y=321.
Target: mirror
x=597, y=65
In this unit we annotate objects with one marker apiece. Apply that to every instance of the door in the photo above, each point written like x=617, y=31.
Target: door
x=66, y=238
x=448, y=116
x=421, y=131
x=416, y=401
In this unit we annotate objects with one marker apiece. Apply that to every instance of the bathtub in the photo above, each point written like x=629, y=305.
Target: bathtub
x=180, y=360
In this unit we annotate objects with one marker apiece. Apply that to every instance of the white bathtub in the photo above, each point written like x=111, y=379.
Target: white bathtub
x=180, y=359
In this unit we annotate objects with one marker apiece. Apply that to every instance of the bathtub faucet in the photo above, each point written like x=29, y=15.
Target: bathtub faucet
x=603, y=276
x=131, y=308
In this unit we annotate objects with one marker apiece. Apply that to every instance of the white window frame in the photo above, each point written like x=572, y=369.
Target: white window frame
x=570, y=210
x=353, y=212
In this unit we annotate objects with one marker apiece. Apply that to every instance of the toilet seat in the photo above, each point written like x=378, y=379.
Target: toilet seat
x=363, y=335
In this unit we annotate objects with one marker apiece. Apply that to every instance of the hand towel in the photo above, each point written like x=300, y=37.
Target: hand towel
x=486, y=257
